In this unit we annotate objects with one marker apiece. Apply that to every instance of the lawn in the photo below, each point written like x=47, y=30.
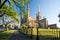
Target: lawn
x=4, y=35
x=48, y=34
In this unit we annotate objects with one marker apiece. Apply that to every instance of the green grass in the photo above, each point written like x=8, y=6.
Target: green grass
x=4, y=35
x=43, y=33
x=49, y=32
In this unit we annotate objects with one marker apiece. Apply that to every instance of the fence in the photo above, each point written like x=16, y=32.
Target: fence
x=42, y=34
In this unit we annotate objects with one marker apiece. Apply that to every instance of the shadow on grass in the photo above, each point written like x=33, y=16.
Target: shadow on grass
x=40, y=37
x=43, y=37
x=5, y=34
x=48, y=37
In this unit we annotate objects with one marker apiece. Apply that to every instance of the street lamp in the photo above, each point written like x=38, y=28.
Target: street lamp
x=37, y=38
x=59, y=17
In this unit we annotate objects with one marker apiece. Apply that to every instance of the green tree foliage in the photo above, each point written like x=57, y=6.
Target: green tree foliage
x=9, y=12
x=18, y=3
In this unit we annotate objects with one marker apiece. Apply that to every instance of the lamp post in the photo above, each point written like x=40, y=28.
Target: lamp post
x=59, y=17
x=37, y=38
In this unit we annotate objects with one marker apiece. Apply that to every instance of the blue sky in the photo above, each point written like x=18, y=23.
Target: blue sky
x=48, y=9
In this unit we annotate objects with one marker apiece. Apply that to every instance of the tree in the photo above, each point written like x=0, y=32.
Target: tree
x=10, y=13
x=7, y=20
x=59, y=17
x=19, y=3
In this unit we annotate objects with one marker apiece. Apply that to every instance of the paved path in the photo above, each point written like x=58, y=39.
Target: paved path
x=18, y=36
x=1, y=29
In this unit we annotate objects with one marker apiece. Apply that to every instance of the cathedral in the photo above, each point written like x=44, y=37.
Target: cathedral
x=31, y=22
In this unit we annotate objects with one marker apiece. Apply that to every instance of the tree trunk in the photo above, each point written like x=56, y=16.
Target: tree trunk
x=3, y=20
x=0, y=2
x=2, y=14
x=6, y=27
x=3, y=4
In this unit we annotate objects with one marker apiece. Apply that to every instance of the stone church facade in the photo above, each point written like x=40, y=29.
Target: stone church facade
x=37, y=22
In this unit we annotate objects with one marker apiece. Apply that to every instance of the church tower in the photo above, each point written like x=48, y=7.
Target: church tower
x=38, y=16
x=28, y=14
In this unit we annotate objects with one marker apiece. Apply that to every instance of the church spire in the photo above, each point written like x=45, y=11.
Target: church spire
x=38, y=14
x=28, y=10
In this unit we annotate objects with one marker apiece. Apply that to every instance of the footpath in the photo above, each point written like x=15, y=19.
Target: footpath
x=18, y=35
